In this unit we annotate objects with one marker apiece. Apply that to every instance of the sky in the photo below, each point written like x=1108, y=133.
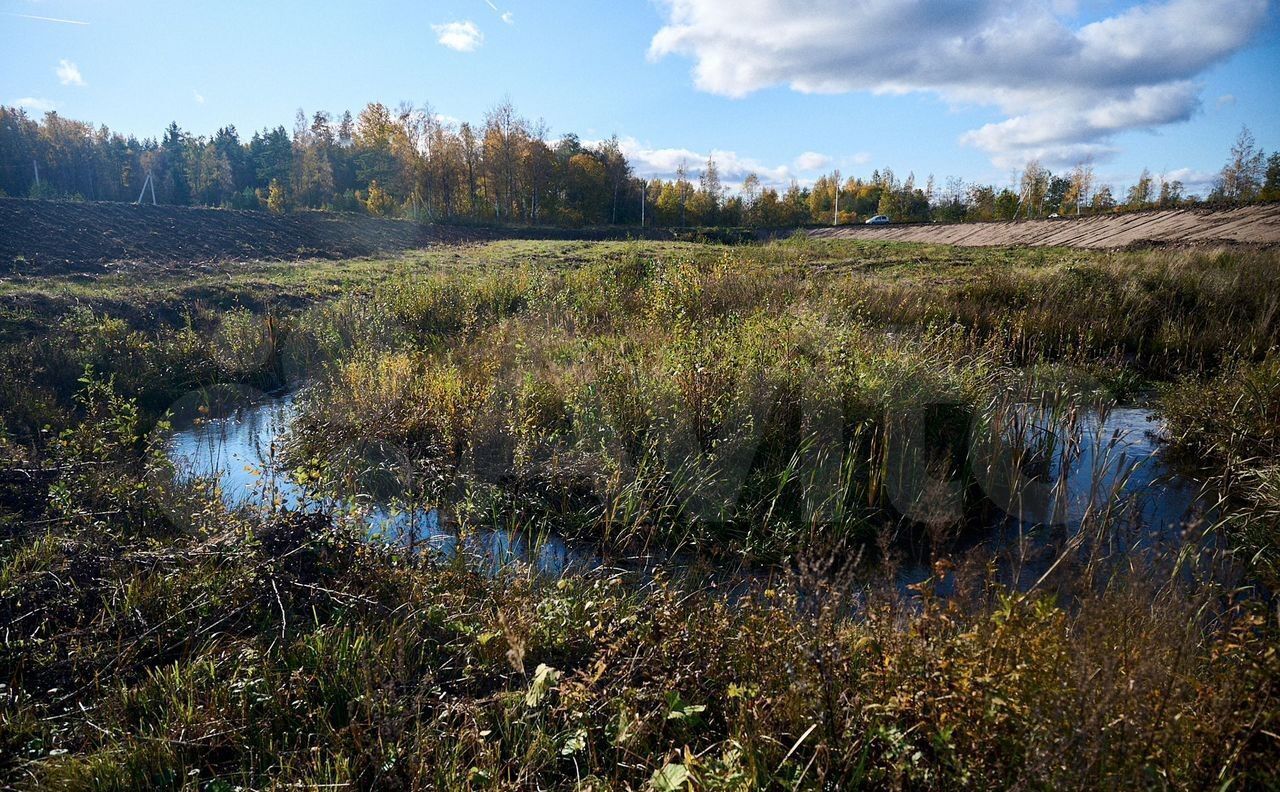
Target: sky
x=789, y=89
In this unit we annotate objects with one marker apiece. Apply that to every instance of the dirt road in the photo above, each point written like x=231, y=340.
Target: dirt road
x=1259, y=224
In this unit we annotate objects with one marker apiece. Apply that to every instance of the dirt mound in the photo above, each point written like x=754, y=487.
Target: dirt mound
x=38, y=236
x=1247, y=224
x=49, y=236
x=41, y=237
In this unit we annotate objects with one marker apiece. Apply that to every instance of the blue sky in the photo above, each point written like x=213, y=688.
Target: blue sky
x=790, y=88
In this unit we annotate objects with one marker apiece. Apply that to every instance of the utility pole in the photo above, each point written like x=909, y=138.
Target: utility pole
x=36, y=165
x=644, y=189
x=148, y=182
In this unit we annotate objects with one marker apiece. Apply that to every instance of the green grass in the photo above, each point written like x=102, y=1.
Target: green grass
x=154, y=640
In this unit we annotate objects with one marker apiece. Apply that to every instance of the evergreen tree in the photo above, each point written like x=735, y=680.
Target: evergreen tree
x=1271, y=186
x=177, y=186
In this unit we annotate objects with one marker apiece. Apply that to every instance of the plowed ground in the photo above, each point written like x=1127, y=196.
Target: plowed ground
x=1257, y=224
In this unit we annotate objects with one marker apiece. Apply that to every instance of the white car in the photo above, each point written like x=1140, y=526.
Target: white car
x=878, y=220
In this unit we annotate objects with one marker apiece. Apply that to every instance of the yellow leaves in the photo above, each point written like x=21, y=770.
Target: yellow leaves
x=408, y=396
x=277, y=199
x=742, y=692
x=378, y=202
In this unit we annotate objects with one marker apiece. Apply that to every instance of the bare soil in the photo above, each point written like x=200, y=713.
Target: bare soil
x=1257, y=225
x=44, y=236
x=41, y=237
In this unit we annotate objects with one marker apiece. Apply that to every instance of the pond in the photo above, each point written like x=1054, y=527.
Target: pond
x=1114, y=461
x=1105, y=489
x=238, y=450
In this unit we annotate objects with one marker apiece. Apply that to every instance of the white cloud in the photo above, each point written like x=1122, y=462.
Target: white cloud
x=1065, y=89
x=508, y=17
x=1059, y=133
x=460, y=36
x=198, y=97
x=69, y=73
x=1226, y=100
x=1193, y=180
x=661, y=163
x=812, y=161
x=37, y=105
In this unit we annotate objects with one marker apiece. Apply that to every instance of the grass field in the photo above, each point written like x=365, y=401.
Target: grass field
x=786, y=426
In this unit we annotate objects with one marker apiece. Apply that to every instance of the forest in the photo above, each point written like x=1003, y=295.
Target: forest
x=412, y=162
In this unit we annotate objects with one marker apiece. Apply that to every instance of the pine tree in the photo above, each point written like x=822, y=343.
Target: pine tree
x=1271, y=187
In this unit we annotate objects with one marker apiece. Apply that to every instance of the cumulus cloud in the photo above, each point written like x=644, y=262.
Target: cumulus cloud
x=69, y=73
x=1065, y=89
x=198, y=97
x=812, y=161
x=460, y=36
x=508, y=17
x=662, y=163
x=37, y=105
x=1193, y=180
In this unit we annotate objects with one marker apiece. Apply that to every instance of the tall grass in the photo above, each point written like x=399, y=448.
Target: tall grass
x=827, y=411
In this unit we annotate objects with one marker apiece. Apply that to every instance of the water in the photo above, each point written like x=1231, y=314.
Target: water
x=1104, y=490
x=1121, y=456
x=238, y=449
x=1112, y=462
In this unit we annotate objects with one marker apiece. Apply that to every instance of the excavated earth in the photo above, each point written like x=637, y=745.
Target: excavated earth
x=42, y=237
x=45, y=237
x=1258, y=224
x=53, y=236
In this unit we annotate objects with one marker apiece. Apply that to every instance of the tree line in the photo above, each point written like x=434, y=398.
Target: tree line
x=411, y=162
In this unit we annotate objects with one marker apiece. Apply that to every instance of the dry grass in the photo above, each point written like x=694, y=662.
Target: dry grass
x=154, y=640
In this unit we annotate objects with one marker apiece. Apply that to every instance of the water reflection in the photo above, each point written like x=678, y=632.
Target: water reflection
x=1110, y=459
x=237, y=451
x=1096, y=486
